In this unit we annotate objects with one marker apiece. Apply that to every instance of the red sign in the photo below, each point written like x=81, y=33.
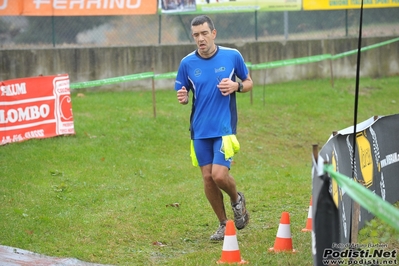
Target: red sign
x=38, y=107
x=77, y=7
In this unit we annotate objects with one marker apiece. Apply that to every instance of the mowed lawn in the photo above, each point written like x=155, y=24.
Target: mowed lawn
x=122, y=191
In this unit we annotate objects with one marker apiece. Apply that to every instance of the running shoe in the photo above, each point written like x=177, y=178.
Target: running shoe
x=241, y=215
x=219, y=234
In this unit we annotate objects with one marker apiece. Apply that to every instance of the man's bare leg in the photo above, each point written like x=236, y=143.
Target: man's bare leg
x=213, y=193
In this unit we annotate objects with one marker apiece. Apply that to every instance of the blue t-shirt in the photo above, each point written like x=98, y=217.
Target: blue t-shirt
x=212, y=114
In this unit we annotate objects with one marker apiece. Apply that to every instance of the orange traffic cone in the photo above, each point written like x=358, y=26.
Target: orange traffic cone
x=230, y=253
x=308, y=227
x=283, y=238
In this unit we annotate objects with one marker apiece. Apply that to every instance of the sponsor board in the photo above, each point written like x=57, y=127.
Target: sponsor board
x=347, y=4
x=375, y=166
x=226, y=6
x=37, y=107
x=77, y=7
x=10, y=7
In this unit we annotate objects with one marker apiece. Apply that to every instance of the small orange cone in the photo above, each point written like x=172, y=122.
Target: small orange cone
x=283, y=238
x=230, y=252
x=308, y=227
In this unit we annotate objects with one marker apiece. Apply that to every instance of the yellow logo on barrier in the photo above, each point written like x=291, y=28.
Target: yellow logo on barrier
x=365, y=158
x=335, y=190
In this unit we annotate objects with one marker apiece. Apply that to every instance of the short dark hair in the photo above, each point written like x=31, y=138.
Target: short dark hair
x=201, y=20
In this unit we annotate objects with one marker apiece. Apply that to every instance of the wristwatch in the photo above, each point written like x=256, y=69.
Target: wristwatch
x=240, y=87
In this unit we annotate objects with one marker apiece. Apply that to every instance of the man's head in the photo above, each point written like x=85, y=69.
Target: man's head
x=201, y=20
x=204, y=34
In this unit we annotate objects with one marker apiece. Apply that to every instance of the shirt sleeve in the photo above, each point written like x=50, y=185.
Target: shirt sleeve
x=181, y=77
x=241, y=67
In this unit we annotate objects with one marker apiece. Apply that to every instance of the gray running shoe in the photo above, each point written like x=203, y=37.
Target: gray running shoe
x=241, y=215
x=219, y=234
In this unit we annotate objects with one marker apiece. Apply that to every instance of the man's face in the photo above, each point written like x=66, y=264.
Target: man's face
x=204, y=37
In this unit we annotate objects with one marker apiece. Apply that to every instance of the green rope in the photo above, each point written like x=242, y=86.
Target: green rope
x=367, y=199
x=108, y=81
x=274, y=64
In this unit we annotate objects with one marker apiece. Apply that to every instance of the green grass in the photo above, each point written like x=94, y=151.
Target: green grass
x=103, y=194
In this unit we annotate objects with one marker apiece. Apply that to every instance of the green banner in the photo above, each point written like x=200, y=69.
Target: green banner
x=290, y=62
x=101, y=82
x=364, y=49
x=366, y=198
x=226, y=6
x=170, y=75
x=274, y=64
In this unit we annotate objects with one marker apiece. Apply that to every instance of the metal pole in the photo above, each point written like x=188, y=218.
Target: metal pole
x=53, y=30
x=346, y=22
x=159, y=28
x=355, y=206
x=256, y=25
x=286, y=25
x=185, y=29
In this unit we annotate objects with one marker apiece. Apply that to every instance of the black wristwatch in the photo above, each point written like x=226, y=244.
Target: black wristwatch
x=240, y=87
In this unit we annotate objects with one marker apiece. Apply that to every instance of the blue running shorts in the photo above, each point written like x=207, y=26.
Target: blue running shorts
x=209, y=151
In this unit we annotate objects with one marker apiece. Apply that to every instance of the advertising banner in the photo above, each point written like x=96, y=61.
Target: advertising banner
x=77, y=7
x=38, y=107
x=376, y=167
x=347, y=4
x=227, y=6
x=10, y=7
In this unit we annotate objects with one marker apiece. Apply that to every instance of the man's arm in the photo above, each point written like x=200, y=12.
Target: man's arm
x=246, y=86
x=227, y=86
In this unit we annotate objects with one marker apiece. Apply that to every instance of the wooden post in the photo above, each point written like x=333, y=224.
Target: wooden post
x=315, y=152
x=251, y=91
x=154, y=104
x=355, y=221
x=264, y=86
x=331, y=73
